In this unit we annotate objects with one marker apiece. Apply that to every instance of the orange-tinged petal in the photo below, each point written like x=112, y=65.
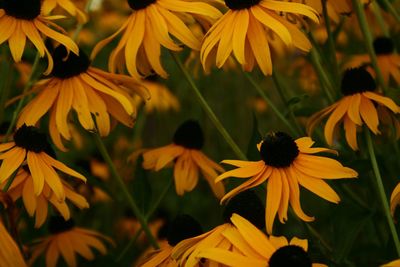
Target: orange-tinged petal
x=274, y=198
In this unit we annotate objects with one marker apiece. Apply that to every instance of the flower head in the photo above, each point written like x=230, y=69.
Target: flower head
x=30, y=146
x=21, y=19
x=74, y=240
x=91, y=92
x=287, y=163
x=148, y=28
x=245, y=29
x=355, y=108
x=185, y=151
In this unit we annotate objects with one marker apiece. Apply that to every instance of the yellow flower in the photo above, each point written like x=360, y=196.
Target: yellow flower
x=68, y=240
x=21, y=19
x=89, y=91
x=188, y=160
x=244, y=30
x=10, y=255
x=253, y=248
x=67, y=5
x=355, y=108
x=22, y=186
x=159, y=258
x=32, y=146
x=388, y=60
x=286, y=164
x=148, y=28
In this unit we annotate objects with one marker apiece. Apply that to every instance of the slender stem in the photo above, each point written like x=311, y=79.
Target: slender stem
x=142, y=219
x=326, y=84
x=281, y=91
x=79, y=27
x=381, y=191
x=331, y=45
x=21, y=101
x=208, y=110
x=6, y=85
x=148, y=215
x=362, y=21
x=391, y=9
x=378, y=15
x=271, y=104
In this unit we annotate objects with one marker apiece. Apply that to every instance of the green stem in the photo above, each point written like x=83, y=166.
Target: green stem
x=391, y=9
x=381, y=191
x=331, y=45
x=148, y=215
x=271, y=104
x=281, y=91
x=79, y=27
x=323, y=78
x=6, y=85
x=208, y=110
x=10, y=181
x=142, y=219
x=378, y=15
x=362, y=21
x=21, y=101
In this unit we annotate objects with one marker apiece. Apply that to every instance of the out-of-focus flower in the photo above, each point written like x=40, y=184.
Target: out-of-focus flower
x=21, y=19
x=148, y=28
x=91, y=92
x=67, y=240
x=355, y=108
x=10, y=255
x=395, y=263
x=286, y=164
x=185, y=152
x=244, y=30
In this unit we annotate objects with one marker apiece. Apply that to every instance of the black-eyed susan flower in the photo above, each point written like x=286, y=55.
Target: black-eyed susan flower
x=185, y=152
x=10, y=255
x=358, y=106
x=161, y=98
x=254, y=248
x=387, y=58
x=247, y=207
x=286, y=164
x=31, y=147
x=182, y=227
x=21, y=19
x=49, y=5
x=91, y=92
x=67, y=240
x=149, y=27
x=244, y=30
x=37, y=205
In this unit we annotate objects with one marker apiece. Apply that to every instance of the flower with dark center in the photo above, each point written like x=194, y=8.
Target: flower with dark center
x=189, y=135
x=140, y=4
x=184, y=226
x=357, y=80
x=58, y=224
x=188, y=159
x=286, y=164
x=279, y=150
x=249, y=206
x=359, y=105
x=22, y=9
x=32, y=139
x=241, y=4
x=67, y=65
x=290, y=256
x=383, y=46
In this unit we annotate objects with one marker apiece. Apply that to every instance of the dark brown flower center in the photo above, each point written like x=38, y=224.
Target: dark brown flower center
x=249, y=206
x=241, y=4
x=189, y=135
x=21, y=9
x=69, y=65
x=279, y=150
x=290, y=256
x=140, y=4
x=357, y=80
x=383, y=46
x=183, y=227
x=57, y=224
x=30, y=138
